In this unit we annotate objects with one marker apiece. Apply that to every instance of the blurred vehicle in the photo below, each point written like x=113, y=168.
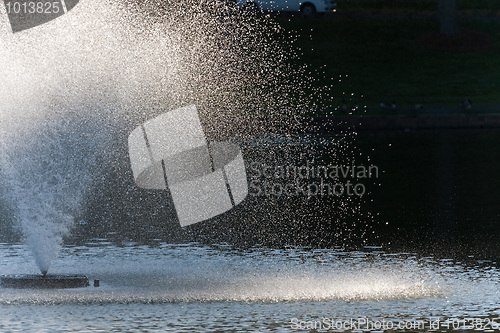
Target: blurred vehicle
x=306, y=7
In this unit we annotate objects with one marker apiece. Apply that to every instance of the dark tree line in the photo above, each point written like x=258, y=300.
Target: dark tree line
x=448, y=17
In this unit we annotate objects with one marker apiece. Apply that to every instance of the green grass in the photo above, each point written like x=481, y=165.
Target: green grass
x=384, y=62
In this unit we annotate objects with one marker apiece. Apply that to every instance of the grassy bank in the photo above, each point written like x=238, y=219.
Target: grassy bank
x=386, y=59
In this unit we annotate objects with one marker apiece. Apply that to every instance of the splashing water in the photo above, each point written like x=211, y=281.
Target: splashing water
x=47, y=171
x=107, y=66
x=219, y=288
x=197, y=273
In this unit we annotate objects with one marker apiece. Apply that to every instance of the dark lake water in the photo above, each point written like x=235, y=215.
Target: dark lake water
x=439, y=190
x=432, y=192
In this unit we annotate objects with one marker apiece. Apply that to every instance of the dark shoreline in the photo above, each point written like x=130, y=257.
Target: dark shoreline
x=409, y=122
x=353, y=123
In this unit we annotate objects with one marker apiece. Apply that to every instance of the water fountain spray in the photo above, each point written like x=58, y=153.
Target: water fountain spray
x=107, y=66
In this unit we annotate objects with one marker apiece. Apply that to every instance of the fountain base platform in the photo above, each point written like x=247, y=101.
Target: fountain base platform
x=52, y=281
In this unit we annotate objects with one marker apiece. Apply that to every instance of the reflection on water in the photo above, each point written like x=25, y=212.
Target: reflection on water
x=191, y=286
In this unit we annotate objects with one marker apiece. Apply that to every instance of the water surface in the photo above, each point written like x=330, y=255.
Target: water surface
x=199, y=288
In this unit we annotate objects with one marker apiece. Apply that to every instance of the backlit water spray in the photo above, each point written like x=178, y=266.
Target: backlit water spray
x=71, y=91
x=47, y=170
x=106, y=66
